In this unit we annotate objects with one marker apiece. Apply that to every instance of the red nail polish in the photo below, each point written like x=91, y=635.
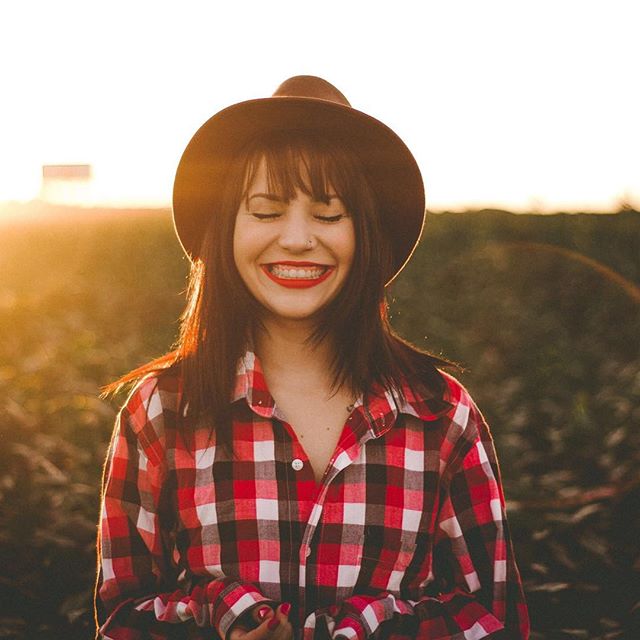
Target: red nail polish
x=285, y=608
x=263, y=612
x=273, y=623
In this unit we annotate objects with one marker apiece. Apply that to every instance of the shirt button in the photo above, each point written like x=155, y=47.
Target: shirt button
x=307, y=552
x=297, y=464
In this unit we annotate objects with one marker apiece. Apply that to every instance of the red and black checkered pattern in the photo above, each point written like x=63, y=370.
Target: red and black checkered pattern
x=405, y=538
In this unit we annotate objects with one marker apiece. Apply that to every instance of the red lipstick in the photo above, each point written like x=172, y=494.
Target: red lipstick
x=298, y=283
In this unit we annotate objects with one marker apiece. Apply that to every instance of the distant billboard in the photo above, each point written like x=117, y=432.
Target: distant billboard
x=66, y=172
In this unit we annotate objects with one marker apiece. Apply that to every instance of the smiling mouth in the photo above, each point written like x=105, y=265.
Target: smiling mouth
x=298, y=275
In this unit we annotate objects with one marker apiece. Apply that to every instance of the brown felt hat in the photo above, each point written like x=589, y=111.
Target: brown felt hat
x=299, y=103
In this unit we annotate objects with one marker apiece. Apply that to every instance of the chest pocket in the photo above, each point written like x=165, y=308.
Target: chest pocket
x=386, y=554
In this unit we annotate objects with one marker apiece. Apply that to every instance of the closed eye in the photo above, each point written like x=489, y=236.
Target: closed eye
x=335, y=218
x=266, y=216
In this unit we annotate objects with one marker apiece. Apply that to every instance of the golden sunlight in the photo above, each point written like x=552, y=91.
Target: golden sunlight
x=493, y=117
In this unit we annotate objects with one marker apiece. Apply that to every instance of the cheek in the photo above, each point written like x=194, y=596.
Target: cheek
x=349, y=245
x=241, y=243
x=248, y=245
x=241, y=253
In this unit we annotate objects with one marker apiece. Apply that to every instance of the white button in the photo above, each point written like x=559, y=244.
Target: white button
x=307, y=552
x=297, y=464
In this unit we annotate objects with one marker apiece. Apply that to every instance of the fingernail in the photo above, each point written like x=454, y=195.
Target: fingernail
x=263, y=612
x=285, y=608
x=273, y=623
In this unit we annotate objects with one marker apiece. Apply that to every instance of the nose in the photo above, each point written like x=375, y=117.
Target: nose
x=296, y=234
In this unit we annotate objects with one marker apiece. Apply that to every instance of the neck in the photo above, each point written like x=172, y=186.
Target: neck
x=285, y=351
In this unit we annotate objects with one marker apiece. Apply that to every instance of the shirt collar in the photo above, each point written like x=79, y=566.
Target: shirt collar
x=383, y=405
x=380, y=406
x=251, y=385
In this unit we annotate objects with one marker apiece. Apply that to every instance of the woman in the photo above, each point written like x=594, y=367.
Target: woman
x=294, y=469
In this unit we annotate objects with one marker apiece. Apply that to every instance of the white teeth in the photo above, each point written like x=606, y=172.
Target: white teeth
x=302, y=273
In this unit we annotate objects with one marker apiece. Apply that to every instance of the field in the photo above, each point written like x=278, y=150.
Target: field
x=543, y=312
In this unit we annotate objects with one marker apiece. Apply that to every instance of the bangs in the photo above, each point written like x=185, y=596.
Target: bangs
x=303, y=161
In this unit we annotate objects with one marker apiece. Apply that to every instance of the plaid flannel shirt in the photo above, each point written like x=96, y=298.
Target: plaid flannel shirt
x=405, y=537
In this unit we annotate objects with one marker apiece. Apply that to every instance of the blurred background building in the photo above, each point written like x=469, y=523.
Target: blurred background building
x=65, y=183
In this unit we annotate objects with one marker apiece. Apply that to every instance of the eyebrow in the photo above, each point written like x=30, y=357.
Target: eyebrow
x=266, y=196
x=276, y=198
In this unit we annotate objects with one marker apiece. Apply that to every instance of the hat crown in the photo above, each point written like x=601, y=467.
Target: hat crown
x=310, y=87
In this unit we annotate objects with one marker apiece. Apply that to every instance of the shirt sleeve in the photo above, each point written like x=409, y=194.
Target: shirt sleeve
x=478, y=588
x=138, y=590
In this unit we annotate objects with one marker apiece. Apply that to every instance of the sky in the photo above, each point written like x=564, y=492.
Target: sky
x=523, y=105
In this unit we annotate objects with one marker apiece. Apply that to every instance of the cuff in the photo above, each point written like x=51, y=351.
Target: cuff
x=349, y=628
x=230, y=600
x=360, y=616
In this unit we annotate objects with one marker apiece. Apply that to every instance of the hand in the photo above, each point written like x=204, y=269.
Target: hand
x=272, y=625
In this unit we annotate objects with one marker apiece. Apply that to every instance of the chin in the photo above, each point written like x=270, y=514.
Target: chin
x=293, y=316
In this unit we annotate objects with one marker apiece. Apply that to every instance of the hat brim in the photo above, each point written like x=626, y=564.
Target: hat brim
x=392, y=169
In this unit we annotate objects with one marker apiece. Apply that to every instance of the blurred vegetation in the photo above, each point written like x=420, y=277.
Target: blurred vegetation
x=542, y=311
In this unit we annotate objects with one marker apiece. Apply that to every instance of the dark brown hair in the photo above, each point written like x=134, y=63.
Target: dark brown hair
x=221, y=315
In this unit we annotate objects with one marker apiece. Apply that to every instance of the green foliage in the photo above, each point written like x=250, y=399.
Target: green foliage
x=81, y=302
x=549, y=342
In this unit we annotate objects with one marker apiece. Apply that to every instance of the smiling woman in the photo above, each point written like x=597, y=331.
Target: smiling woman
x=280, y=244
x=294, y=469
x=299, y=247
